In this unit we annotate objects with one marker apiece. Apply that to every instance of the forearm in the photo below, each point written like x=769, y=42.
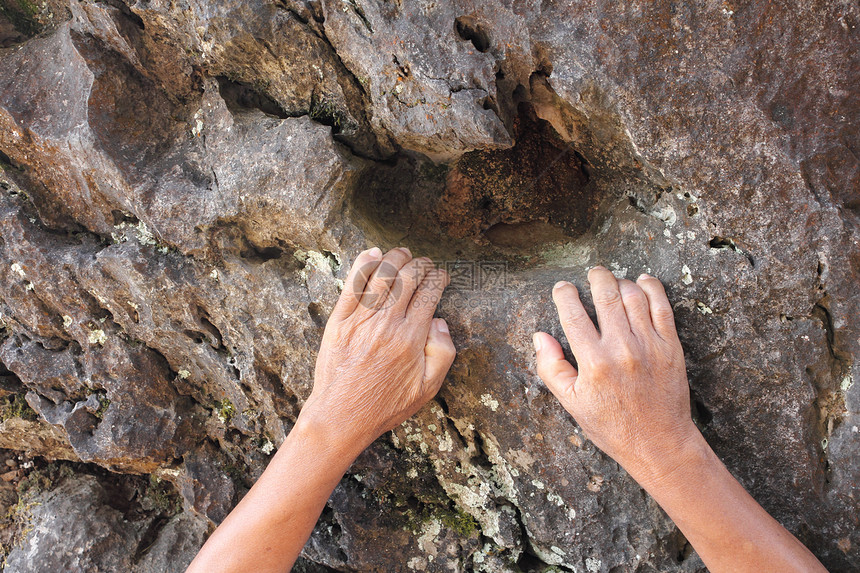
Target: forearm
x=269, y=527
x=727, y=527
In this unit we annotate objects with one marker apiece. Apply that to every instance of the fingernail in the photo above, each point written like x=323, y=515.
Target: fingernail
x=598, y=267
x=442, y=326
x=643, y=276
x=559, y=284
x=375, y=253
x=536, y=341
x=406, y=249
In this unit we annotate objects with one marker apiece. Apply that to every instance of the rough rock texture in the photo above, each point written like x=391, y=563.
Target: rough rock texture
x=184, y=186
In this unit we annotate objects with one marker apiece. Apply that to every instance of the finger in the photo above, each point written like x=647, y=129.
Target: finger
x=662, y=316
x=611, y=317
x=636, y=306
x=427, y=295
x=577, y=325
x=557, y=373
x=439, y=354
x=410, y=277
x=383, y=278
x=356, y=282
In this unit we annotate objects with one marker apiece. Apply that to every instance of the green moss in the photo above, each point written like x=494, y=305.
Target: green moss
x=327, y=113
x=455, y=520
x=225, y=410
x=104, y=402
x=46, y=478
x=162, y=496
x=459, y=521
x=23, y=15
x=16, y=406
x=430, y=171
x=18, y=520
x=236, y=472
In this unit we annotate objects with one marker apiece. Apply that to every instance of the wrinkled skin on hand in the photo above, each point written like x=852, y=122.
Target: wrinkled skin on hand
x=383, y=355
x=630, y=394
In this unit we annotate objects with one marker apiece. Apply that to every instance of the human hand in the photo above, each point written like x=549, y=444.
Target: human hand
x=383, y=355
x=630, y=394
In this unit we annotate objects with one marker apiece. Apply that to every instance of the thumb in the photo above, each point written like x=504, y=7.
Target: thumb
x=439, y=354
x=557, y=373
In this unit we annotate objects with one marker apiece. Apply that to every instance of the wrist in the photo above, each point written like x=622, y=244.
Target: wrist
x=322, y=433
x=676, y=458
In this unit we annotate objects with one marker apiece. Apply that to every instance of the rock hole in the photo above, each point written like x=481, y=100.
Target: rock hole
x=468, y=28
x=127, y=12
x=504, y=204
x=728, y=243
x=197, y=337
x=539, y=180
x=210, y=331
x=315, y=311
x=722, y=243
x=5, y=160
x=120, y=217
x=442, y=404
x=258, y=254
x=489, y=103
x=520, y=236
x=685, y=552
x=9, y=381
x=530, y=563
x=821, y=268
x=636, y=203
x=702, y=416
x=238, y=96
x=325, y=112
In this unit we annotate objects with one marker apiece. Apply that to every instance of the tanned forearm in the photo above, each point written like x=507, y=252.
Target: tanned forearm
x=269, y=527
x=729, y=529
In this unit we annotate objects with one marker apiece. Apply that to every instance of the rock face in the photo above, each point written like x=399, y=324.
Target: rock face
x=185, y=184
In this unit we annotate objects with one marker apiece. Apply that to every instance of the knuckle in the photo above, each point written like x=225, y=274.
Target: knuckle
x=570, y=317
x=633, y=295
x=663, y=312
x=401, y=348
x=628, y=358
x=607, y=297
x=599, y=366
x=379, y=281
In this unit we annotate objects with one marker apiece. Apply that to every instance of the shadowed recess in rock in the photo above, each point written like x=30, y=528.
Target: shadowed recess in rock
x=509, y=203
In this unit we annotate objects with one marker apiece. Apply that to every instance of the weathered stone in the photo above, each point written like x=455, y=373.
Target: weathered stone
x=35, y=438
x=84, y=523
x=184, y=186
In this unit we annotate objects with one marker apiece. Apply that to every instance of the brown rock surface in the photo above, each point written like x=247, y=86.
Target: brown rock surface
x=184, y=186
